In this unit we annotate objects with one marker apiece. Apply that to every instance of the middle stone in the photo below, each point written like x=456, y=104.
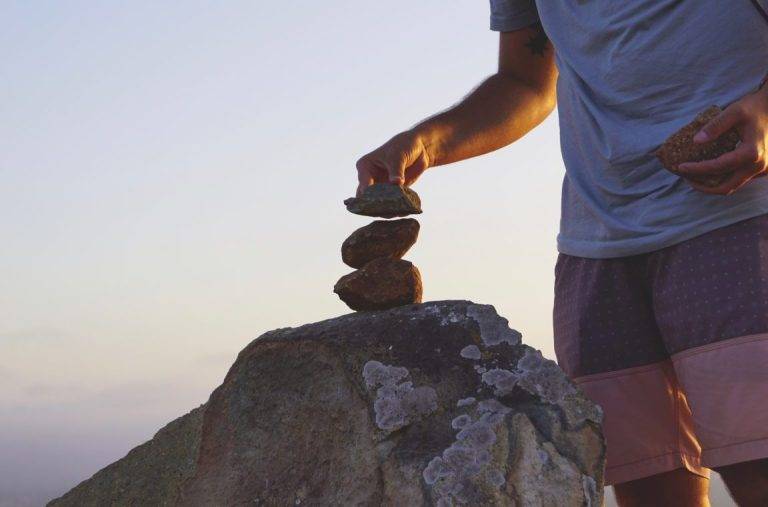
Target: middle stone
x=382, y=238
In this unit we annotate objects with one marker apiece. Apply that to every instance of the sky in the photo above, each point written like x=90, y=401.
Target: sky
x=172, y=177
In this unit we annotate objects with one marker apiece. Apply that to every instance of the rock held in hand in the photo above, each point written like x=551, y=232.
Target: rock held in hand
x=386, y=201
x=382, y=238
x=680, y=147
x=381, y=284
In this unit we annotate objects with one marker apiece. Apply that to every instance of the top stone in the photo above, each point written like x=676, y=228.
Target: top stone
x=385, y=200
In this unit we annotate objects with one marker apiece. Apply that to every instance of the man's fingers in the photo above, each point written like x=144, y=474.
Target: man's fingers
x=726, y=163
x=719, y=125
x=399, y=161
x=364, y=178
x=730, y=185
x=396, y=169
x=361, y=186
x=370, y=171
x=366, y=174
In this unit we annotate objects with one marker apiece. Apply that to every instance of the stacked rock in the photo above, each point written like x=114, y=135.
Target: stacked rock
x=382, y=278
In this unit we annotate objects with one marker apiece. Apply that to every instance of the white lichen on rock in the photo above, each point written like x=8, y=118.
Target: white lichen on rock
x=451, y=317
x=466, y=401
x=472, y=470
x=543, y=377
x=496, y=478
x=454, y=474
x=503, y=381
x=471, y=352
x=533, y=373
x=589, y=486
x=494, y=329
x=397, y=403
x=495, y=408
x=460, y=421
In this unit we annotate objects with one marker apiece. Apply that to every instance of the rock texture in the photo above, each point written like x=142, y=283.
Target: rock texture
x=680, y=147
x=432, y=404
x=382, y=238
x=381, y=284
x=151, y=474
x=386, y=201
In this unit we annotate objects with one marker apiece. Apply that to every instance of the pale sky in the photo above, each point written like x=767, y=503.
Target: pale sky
x=172, y=176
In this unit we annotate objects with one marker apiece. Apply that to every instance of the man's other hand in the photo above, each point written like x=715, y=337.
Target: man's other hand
x=401, y=161
x=749, y=116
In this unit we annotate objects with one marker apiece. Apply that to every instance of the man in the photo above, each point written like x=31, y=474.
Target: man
x=661, y=290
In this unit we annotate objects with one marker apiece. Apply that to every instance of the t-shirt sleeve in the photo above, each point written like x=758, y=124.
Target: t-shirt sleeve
x=509, y=15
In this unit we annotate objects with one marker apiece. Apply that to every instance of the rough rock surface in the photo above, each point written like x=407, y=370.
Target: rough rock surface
x=381, y=284
x=382, y=238
x=386, y=201
x=151, y=474
x=680, y=147
x=431, y=404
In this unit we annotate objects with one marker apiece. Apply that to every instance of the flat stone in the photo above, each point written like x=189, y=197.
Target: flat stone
x=381, y=284
x=386, y=201
x=680, y=147
x=382, y=238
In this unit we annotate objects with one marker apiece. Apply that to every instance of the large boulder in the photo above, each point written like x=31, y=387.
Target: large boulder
x=429, y=404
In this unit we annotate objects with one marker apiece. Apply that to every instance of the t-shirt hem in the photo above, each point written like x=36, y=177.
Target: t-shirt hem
x=607, y=249
x=514, y=22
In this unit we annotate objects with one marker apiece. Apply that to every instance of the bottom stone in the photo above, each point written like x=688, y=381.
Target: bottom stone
x=381, y=284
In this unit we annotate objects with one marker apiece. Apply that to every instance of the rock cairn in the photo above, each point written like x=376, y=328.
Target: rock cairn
x=382, y=279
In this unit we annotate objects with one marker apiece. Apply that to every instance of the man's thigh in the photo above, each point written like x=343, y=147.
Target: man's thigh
x=710, y=299
x=607, y=341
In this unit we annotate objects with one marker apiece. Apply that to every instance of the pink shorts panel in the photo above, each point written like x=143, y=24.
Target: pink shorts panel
x=726, y=384
x=647, y=425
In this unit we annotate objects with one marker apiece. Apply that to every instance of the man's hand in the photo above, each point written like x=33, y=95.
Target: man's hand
x=749, y=116
x=401, y=161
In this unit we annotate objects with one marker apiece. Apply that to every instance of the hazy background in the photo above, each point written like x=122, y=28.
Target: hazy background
x=171, y=178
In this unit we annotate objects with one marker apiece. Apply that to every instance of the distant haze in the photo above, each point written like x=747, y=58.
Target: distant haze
x=172, y=176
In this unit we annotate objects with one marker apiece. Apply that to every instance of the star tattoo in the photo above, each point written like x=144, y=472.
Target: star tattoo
x=539, y=42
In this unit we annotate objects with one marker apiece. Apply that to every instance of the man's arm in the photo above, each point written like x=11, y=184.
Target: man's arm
x=502, y=109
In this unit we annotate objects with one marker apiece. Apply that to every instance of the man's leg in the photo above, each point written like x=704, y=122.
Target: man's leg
x=607, y=341
x=710, y=298
x=678, y=488
x=747, y=482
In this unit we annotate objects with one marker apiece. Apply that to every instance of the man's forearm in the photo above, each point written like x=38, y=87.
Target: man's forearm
x=499, y=111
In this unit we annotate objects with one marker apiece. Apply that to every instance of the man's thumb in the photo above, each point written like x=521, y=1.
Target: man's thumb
x=717, y=126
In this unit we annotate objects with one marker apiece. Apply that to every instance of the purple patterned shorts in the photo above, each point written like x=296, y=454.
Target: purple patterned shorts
x=673, y=345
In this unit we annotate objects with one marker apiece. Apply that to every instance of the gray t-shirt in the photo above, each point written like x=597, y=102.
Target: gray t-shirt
x=632, y=73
